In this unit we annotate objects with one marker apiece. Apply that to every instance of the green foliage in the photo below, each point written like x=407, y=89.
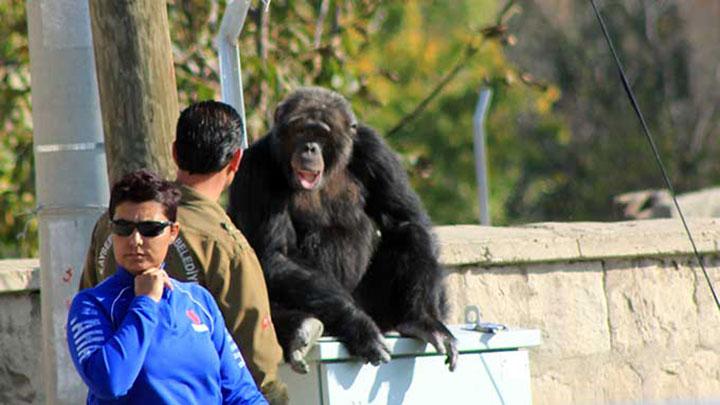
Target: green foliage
x=385, y=56
x=285, y=48
x=18, y=227
x=605, y=153
x=558, y=147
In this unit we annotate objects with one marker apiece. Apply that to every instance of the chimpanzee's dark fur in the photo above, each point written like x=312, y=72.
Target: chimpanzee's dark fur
x=355, y=250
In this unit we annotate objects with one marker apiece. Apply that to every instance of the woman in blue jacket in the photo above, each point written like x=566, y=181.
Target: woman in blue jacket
x=140, y=337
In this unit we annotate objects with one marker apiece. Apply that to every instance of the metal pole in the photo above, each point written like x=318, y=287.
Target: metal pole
x=229, y=54
x=70, y=180
x=480, y=159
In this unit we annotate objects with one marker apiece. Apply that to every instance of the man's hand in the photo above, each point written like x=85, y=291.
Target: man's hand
x=152, y=282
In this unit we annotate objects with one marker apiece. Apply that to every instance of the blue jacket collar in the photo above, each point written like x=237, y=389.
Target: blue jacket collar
x=124, y=276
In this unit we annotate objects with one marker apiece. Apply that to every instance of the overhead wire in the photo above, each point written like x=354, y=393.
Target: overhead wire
x=655, y=151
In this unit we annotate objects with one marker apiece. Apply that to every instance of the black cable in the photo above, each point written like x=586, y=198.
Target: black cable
x=650, y=139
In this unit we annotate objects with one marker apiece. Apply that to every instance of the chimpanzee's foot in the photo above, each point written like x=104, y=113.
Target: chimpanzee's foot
x=305, y=337
x=363, y=339
x=435, y=333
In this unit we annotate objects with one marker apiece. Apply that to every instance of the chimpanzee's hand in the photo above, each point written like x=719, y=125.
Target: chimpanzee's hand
x=366, y=341
x=435, y=333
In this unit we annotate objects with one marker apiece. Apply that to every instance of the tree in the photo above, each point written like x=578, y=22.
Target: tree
x=136, y=79
x=385, y=56
x=18, y=228
x=604, y=153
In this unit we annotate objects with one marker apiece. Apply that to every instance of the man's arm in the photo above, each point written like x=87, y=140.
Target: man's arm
x=238, y=286
x=236, y=383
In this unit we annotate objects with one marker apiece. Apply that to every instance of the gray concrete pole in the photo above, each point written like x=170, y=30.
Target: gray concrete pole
x=480, y=157
x=70, y=176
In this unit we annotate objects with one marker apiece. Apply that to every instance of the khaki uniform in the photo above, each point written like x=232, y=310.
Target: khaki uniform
x=210, y=250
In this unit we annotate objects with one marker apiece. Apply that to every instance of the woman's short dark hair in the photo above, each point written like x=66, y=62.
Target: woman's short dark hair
x=144, y=185
x=208, y=134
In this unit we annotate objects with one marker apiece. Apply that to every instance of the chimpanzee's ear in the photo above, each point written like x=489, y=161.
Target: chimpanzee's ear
x=280, y=111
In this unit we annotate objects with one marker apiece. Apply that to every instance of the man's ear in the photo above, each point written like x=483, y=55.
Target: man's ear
x=235, y=160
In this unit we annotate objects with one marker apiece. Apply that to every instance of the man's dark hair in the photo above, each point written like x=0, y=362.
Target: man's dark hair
x=144, y=185
x=208, y=134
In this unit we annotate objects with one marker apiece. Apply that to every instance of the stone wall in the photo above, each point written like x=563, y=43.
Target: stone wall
x=625, y=312
x=20, y=332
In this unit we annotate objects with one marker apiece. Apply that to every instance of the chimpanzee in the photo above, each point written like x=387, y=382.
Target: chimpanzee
x=341, y=236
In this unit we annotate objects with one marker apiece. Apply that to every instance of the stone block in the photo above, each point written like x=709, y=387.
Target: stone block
x=708, y=316
x=651, y=304
x=496, y=292
x=19, y=275
x=20, y=357
x=485, y=245
x=619, y=381
x=551, y=389
x=567, y=303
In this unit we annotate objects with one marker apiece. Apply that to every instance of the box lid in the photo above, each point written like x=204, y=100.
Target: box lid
x=468, y=341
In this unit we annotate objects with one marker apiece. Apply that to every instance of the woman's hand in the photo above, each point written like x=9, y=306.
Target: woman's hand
x=152, y=282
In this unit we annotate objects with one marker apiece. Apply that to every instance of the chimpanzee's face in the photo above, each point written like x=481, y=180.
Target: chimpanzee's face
x=313, y=136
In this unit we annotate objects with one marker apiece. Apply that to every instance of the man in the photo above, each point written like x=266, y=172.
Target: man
x=210, y=249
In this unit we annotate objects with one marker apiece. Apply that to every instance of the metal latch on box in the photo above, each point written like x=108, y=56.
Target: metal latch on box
x=474, y=322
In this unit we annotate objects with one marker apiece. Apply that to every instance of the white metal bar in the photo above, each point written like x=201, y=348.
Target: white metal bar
x=229, y=55
x=480, y=156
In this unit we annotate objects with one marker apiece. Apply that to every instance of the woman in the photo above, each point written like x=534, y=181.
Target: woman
x=140, y=337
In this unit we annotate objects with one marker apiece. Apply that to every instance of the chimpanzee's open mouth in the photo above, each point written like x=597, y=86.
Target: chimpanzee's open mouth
x=308, y=179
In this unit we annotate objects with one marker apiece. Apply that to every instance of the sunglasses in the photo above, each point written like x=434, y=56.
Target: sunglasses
x=148, y=229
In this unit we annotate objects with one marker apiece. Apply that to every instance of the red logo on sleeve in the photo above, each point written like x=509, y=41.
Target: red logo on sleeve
x=266, y=322
x=197, y=324
x=193, y=317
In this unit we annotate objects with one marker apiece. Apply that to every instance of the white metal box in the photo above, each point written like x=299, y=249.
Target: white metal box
x=492, y=369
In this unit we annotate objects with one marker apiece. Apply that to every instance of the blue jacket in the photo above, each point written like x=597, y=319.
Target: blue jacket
x=131, y=349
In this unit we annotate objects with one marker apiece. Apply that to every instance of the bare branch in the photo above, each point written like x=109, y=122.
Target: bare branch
x=497, y=31
x=702, y=128
x=319, y=24
x=470, y=51
x=324, y=8
x=262, y=20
